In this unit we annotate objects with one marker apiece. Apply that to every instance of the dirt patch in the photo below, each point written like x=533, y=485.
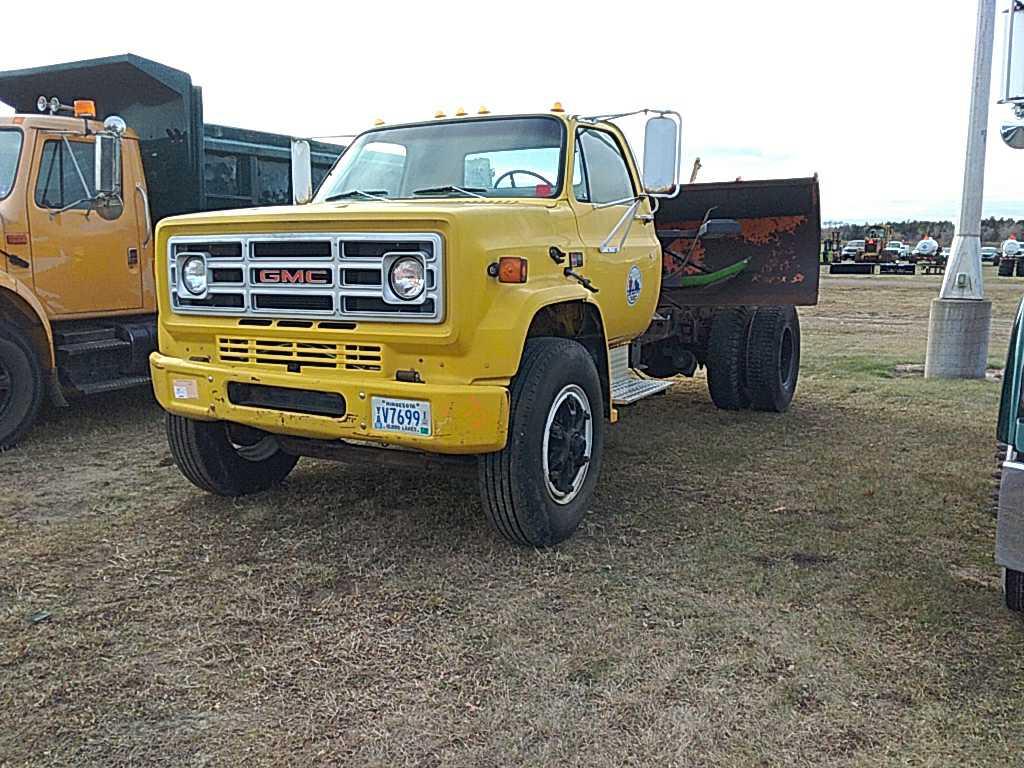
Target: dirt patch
x=354, y=617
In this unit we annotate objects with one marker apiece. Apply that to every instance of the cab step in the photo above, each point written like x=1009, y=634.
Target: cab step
x=627, y=385
x=91, y=347
x=111, y=385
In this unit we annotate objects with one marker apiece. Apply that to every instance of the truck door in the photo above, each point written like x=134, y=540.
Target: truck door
x=628, y=276
x=85, y=261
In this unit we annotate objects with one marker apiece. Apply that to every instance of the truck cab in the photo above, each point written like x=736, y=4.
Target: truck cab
x=96, y=152
x=485, y=289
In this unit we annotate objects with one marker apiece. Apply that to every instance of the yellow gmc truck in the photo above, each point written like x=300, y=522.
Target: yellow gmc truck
x=484, y=289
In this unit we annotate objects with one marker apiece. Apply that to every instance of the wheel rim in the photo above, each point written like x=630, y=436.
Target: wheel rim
x=568, y=444
x=251, y=445
x=787, y=359
x=6, y=387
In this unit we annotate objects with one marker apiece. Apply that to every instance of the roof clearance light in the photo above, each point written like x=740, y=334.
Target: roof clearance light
x=439, y=114
x=85, y=108
x=378, y=122
x=460, y=112
x=557, y=107
x=483, y=111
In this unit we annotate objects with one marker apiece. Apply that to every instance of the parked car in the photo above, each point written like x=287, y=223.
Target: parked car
x=853, y=249
x=1010, y=433
x=989, y=255
x=895, y=250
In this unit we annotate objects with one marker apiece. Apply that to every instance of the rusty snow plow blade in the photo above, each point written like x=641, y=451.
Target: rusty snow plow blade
x=772, y=260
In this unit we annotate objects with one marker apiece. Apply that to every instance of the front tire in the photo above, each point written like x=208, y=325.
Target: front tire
x=226, y=460
x=536, y=490
x=21, y=385
x=773, y=358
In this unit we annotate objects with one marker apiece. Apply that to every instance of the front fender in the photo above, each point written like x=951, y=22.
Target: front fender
x=504, y=329
x=20, y=297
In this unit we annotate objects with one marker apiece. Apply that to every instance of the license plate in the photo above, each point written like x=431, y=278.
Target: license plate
x=411, y=417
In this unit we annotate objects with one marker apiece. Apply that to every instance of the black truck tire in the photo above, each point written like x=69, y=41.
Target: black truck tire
x=211, y=460
x=536, y=490
x=727, y=359
x=1013, y=587
x=1006, y=267
x=1018, y=268
x=773, y=358
x=21, y=385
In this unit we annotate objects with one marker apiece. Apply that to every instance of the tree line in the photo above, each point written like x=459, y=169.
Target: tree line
x=993, y=230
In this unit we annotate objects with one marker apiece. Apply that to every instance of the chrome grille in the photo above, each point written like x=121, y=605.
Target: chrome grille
x=307, y=276
x=346, y=356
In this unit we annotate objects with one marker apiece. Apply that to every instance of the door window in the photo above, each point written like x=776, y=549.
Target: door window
x=10, y=151
x=605, y=174
x=66, y=175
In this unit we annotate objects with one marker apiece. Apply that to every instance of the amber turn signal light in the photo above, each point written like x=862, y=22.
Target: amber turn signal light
x=511, y=269
x=85, y=108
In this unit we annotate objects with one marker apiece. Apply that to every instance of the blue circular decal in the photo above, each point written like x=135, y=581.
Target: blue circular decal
x=634, y=285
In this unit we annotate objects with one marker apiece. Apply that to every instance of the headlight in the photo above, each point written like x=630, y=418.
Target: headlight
x=193, y=275
x=407, y=278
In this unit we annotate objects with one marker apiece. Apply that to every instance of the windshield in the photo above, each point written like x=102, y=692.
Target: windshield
x=494, y=157
x=10, y=150
x=855, y=244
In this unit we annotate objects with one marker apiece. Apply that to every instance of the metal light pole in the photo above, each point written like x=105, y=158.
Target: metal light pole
x=959, y=321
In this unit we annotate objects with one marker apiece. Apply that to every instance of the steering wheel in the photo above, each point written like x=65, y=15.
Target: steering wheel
x=511, y=177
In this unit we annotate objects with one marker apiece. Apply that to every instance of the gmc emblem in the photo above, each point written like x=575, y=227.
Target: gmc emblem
x=294, y=276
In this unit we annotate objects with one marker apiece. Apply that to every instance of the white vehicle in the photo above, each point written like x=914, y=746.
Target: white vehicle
x=853, y=249
x=989, y=254
x=895, y=250
x=926, y=249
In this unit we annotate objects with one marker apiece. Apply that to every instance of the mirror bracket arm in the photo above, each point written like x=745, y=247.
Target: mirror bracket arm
x=625, y=223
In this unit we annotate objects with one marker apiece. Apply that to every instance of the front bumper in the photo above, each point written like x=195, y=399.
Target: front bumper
x=466, y=419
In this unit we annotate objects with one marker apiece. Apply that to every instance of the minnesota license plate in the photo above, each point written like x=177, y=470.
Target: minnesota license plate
x=409, y=416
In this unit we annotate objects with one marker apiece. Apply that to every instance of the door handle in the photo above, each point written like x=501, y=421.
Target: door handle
x=141, y=192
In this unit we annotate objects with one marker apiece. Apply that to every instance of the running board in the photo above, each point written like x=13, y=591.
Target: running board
x=627, y=386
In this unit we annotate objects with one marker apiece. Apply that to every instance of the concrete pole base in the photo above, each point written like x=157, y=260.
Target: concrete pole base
x=958, y=332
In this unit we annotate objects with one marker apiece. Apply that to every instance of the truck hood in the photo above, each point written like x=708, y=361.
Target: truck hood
x=325, y=214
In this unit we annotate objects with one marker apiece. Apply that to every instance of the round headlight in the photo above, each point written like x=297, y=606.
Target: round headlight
x=406, y=278
x=193, y=275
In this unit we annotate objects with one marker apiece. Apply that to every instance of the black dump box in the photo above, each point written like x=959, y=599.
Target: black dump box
x=774, y=259
x=190, y=165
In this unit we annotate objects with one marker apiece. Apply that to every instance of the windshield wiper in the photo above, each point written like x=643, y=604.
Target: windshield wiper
x=373, y=194
x=467, y=191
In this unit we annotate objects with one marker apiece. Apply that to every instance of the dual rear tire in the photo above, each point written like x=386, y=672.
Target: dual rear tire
x=753, y=358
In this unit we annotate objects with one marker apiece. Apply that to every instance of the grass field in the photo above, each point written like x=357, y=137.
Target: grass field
x=747, y=590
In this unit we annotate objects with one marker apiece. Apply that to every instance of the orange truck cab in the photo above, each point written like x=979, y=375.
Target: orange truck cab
x=97, y=152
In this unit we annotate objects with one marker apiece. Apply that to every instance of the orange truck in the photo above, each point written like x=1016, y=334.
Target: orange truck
x=96, y=153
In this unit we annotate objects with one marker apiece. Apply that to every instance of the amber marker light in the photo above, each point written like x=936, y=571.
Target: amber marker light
x=512, y=269
x=85, y=108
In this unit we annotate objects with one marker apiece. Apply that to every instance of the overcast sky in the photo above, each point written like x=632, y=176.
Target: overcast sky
x=871, y=95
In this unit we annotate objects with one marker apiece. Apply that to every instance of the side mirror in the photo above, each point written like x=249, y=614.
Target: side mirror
x=108, y=165
x=302, y=172
x=713, y=228
x=1012, y=92
x=662, y=154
